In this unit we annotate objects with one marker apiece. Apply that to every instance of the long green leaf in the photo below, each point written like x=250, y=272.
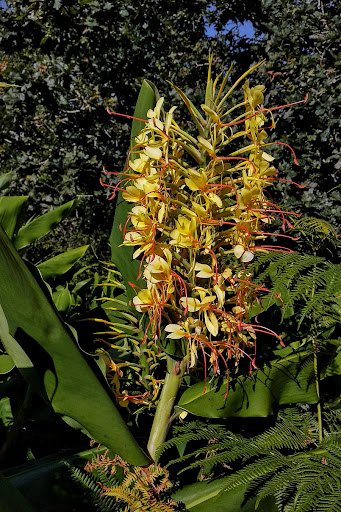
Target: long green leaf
x=11, y=213
x=122, y=256
x=42, y=225
x=70, y=383
x=284, y=381
x=207, y=497
x=60, y=264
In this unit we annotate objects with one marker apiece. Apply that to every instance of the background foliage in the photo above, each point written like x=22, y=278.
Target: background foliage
x=71, y=61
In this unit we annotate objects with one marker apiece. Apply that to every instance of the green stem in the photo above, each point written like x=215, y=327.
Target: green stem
x=317, y=386
x=316, y=373
x=161, y=423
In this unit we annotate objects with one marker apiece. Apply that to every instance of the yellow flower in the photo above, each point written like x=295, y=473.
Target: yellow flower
x=143, y=301
x=159, y=270
x=176, y=332
x=185, y=233
x=197, y=180
x=154, y=153
x=203, y=305
x=133, y=194
x=243, y=254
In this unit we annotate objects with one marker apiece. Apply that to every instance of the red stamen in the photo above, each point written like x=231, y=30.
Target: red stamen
x=125, y=115
x=286, y=145
x=282, y=179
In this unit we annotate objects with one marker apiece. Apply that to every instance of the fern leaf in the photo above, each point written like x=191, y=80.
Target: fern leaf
x=93, y=490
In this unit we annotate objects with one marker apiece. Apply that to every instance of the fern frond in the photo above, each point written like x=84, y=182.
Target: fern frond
x=264, y=467
x=281, y=485
x=308, y=282
x=330, y=503
x=293, y=431
x=316, y=230
x=93, y=490
x=192, y=431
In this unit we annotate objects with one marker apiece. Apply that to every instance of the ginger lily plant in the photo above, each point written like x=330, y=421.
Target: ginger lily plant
x=199, y=213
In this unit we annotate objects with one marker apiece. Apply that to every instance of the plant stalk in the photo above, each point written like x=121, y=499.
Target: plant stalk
x=317, y=386
x=164, y=410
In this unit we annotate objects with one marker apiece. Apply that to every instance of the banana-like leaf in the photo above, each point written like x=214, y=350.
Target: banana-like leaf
x=42, y=225
x=122, y=256
x=5, y=179
x=285, y=381
x=11, y=213
x=6, y=363
x=71, y=385
x=207, y=496
x=60, y=264
x=11, y=500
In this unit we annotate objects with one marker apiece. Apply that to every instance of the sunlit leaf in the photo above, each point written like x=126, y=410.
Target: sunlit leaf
x=42, y=225
x=60, y=264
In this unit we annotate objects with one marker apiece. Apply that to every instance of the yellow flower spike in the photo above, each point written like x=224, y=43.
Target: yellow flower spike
x=193, y=206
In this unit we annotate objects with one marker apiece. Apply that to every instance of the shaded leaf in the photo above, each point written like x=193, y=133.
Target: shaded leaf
x=6, y=363
x=11, y=500
x=284, y=381
x=11, y=209
x=207, y=496
x=5, y=179
x=70, y=383
x=6, y=415
x=62, y=299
